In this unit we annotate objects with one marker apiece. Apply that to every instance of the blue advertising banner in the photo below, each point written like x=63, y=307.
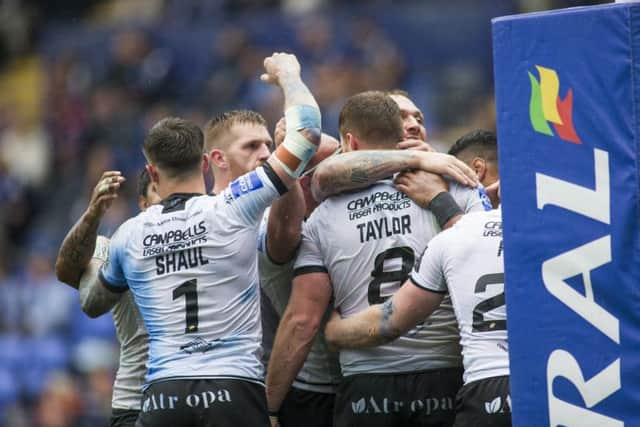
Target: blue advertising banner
x=568, y=103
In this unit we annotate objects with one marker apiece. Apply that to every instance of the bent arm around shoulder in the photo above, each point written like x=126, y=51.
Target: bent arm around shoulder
x=382, y=323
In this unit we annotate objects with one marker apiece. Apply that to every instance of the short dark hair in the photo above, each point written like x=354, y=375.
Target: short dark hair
x=175, y=145
x=223, y=122
x=143, y=183
x=373, y=116
x=477, y=143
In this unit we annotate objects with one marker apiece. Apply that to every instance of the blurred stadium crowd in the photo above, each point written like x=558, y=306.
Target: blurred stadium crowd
x=80, y=83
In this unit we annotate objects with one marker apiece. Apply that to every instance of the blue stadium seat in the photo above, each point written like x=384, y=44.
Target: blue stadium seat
x=12, y=354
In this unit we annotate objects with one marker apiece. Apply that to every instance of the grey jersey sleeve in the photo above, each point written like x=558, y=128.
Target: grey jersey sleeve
x=429, y=274
x=469, y=199
x=112, y=273
x=309, y=258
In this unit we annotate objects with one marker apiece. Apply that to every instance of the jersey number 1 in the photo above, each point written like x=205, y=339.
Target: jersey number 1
x=188, y=289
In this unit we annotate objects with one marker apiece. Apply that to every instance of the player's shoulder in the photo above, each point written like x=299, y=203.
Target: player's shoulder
x=474, y=221
x=458, y=190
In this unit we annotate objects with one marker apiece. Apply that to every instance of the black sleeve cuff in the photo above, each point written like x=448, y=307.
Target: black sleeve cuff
x=426, y=289
x=309, y=269
x=274, y=178
x=111, y=288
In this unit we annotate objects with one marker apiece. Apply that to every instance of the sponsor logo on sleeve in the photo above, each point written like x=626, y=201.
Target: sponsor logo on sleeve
x=245, y=185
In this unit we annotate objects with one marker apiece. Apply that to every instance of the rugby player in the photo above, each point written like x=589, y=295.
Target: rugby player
x=479, y=149
x=191, y=265
x=74, y=266
x=360, y=247
x=467, y=262
x=237, y=142
x=313, y=390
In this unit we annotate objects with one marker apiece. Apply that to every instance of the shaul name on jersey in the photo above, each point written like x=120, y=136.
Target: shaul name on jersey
x=176, y=249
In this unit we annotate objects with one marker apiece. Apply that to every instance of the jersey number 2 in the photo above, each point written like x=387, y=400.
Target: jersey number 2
x=479, y=324
x=381, y=276
x=188, y=289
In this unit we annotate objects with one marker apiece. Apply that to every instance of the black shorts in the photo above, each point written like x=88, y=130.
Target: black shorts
x=123, y=417
x=307, y=408
x=410, y=399
x=484, y=403
x=204, y=402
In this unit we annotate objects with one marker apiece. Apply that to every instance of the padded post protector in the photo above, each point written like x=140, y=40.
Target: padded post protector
x=568, y=104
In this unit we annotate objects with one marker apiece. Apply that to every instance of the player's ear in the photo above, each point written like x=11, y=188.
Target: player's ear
x=479, y=165
x=352, y=142
x=218, y=159
x=153, y=173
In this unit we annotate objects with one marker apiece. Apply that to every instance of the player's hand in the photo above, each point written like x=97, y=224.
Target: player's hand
x=421, y=186
x=280, y=66
x=414, y=144
x=280, y=132
x=105, y=191
x=493, y=191
x=445, y=164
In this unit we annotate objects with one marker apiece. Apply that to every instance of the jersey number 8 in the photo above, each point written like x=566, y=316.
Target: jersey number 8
x=381, y=276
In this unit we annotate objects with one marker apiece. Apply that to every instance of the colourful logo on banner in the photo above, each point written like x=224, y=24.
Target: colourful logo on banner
x=546, y=106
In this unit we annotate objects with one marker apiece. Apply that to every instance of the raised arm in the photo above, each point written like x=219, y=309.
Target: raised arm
x=385, y=322
x=302, y=117
x=79, y=244
x=359, y=169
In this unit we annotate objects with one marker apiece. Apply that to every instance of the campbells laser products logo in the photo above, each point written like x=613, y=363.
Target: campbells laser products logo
x=546, y=106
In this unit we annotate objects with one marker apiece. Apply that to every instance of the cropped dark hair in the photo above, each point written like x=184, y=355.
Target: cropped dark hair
x=175, y=145
x=372, y=116
x=477, y=143
x=223, y=122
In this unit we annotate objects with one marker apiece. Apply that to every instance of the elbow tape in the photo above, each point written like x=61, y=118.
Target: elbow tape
x=296, y=150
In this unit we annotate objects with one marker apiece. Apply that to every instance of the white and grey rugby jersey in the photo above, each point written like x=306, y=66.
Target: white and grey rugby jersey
x=134, y=345
x=467, y=261
x=321, y=370
x=191, y=265
x=368, y=242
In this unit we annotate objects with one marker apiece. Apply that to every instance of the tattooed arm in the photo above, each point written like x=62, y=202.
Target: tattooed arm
x=382, y=323
x=359, y=169
x=79, y=244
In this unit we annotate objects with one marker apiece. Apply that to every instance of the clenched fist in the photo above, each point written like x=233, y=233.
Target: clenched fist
x=280, y=66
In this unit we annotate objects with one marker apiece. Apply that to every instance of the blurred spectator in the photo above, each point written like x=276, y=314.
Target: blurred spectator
x=60, y=405
x=46, y=304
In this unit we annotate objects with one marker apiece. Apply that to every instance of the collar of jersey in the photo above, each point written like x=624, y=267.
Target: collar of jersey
x=176, y=198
